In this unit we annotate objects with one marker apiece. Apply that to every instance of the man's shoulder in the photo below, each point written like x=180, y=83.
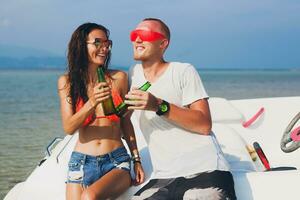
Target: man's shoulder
x=135, y=66
x=183, y=69
x=180, y=66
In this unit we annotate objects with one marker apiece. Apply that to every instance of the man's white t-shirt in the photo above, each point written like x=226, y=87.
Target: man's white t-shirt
x=175, y=151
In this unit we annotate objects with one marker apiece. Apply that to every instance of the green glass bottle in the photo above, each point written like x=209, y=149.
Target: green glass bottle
x=108, y=104
x=122, y=108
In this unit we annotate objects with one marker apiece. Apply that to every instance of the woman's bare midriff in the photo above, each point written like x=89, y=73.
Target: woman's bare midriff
x=100, y=137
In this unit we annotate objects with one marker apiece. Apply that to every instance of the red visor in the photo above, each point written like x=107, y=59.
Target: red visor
x=147, y=36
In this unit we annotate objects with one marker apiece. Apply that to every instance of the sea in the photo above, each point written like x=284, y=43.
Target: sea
x=30, y=116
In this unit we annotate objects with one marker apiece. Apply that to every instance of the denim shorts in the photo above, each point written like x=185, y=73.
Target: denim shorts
x=86, y=169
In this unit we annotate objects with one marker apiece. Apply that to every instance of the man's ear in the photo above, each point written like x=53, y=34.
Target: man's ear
x=164, y=44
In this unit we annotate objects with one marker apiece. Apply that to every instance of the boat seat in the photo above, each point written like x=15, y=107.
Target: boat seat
x=234, y=148
x=222, y=111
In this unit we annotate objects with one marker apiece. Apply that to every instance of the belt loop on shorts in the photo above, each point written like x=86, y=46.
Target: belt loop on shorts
x=110, y=157
x=83, y=160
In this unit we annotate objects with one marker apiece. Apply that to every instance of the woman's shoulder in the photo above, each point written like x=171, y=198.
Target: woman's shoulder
x=120, y=80
x=118, y=74
x=62, y=81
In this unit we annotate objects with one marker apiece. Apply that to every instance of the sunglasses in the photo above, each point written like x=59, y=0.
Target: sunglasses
x=100, y=43
x=147, y=36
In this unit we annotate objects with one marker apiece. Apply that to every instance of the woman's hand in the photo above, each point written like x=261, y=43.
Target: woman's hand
x=100, y=93
x=139, y=174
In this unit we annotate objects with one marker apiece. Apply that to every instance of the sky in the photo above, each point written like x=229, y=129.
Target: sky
x=206, y=33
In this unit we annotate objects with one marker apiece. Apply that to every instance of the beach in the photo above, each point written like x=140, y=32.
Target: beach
x=30, y=116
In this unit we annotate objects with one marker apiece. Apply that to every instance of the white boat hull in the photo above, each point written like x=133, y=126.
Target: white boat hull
x=47, y=181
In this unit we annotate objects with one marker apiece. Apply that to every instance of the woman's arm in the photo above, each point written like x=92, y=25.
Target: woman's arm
x=130, y=139
x=126, y=125
x=129, y=135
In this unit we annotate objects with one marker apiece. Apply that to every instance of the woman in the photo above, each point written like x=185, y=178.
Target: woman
x=99, y=167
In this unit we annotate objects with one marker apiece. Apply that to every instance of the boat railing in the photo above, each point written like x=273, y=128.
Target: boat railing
x=63, y=148
x=49, y=149
x=52, y=144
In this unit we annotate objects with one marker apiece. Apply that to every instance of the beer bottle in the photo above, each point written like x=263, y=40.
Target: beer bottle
x=108, y=104
x=121, y=109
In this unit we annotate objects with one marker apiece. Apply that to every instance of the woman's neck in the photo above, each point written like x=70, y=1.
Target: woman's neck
x=92, y=74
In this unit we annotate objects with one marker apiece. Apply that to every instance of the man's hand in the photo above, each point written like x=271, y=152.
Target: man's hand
x=141, y=100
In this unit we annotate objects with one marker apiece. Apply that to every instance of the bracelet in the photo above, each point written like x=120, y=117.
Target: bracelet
x=137, y=161
x=136, y=158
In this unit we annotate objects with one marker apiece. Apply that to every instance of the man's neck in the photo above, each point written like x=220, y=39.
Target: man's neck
x=154, y=69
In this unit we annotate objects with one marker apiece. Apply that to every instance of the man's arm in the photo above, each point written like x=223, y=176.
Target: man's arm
x=196, y=117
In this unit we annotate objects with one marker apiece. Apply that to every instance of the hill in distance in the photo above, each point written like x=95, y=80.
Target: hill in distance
x=17, y=57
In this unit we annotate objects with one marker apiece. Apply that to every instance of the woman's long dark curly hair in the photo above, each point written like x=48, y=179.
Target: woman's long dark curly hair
x=78, y=61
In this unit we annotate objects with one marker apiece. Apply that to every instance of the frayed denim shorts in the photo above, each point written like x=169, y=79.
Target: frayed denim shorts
x=86, y=169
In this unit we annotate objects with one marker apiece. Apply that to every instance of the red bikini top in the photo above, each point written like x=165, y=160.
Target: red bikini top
x=117, y=99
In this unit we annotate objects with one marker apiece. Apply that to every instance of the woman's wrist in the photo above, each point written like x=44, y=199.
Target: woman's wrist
x=136, y=158
x=137, y=162
x=91, y=104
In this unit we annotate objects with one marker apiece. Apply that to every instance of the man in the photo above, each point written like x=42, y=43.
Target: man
x=175, y=119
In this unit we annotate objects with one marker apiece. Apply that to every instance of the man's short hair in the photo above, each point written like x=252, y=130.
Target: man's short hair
x=164, y=27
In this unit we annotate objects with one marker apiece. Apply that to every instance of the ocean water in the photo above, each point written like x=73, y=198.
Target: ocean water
x=30, y=118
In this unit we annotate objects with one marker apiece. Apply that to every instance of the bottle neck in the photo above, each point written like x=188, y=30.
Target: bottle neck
x=101, y=76
x=145, y=87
